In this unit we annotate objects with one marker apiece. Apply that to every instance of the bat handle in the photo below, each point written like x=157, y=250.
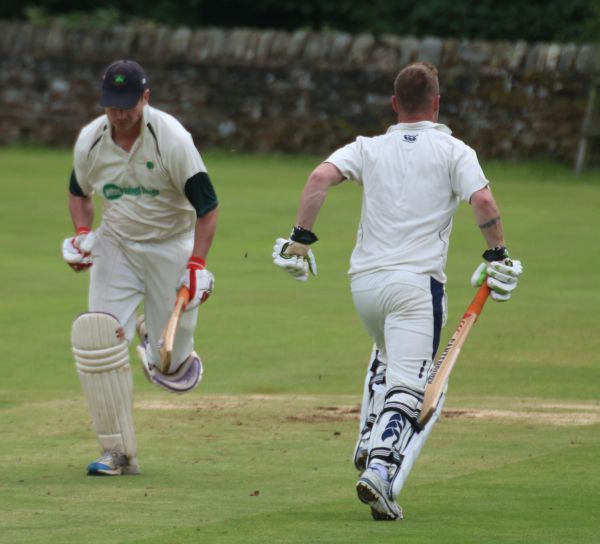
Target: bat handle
x=184, y=293
x=478, y=300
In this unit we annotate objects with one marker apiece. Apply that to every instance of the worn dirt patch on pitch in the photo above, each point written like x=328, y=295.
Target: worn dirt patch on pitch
x=327, y=413
x=559, y=417
x=530, y=411
x=221, y=402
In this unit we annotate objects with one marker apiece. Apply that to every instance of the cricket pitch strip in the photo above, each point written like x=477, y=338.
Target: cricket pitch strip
x=312, y=409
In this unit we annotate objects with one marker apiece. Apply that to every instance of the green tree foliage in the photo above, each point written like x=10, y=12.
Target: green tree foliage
x=531, y=20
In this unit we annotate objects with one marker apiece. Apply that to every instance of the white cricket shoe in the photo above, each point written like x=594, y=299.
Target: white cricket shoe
x=373, y=489
x=113, y=463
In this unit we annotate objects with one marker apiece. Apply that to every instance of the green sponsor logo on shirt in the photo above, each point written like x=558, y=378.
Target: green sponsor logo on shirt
x=114, y=192
x=150, y=165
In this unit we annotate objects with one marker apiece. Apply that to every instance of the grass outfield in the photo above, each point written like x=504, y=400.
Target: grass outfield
x=261, y=452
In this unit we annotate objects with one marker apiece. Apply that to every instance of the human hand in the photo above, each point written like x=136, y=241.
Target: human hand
x=295, y=258
x=198, y=281
x=502, y=277
x=77, y=251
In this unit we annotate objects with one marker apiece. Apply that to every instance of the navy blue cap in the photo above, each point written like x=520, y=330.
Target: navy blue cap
x=123, y=84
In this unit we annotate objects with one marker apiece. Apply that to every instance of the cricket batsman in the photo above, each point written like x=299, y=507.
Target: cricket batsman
x=413, y=178
x=158, y=222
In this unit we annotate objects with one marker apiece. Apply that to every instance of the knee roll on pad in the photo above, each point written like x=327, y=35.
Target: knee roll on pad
x=102, y=361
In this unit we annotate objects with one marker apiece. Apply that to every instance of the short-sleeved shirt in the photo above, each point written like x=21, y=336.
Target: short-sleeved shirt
x=413, y=179
x=143, y=190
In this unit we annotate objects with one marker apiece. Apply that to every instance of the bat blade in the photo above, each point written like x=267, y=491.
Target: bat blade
x=444, y=365
x=167, y=338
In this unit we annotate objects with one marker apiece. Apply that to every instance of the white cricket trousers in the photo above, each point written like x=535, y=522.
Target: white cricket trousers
x=125, y=273
x=403, y=313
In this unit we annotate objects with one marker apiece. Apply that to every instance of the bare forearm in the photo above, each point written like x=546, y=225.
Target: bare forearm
x=204, y=234
x=82, y=211
x=487, y=216
x=315, y=192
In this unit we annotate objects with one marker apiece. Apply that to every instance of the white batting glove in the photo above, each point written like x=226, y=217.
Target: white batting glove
x=501, y=276
x=77, y=251
x=295, y=258
x=198, y=281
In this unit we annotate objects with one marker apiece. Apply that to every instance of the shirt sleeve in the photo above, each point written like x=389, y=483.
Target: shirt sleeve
x=184, y=161
x=349, y=160
x=81, y=168
x=466, y=174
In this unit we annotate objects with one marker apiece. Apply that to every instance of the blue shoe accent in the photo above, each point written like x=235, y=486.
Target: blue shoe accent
x=99, y=469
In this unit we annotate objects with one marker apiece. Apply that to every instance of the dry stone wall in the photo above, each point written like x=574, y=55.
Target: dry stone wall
x=296, y=91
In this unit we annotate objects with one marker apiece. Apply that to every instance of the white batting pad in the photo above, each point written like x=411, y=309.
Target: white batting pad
x=102, y=362
x=413, y=450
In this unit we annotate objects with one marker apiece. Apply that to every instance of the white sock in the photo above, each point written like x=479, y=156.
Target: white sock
x=381, y=468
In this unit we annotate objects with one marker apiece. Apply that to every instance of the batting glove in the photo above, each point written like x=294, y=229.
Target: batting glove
x=500, y=272
x=294, y=254
x=198, y=281
x=77, y=251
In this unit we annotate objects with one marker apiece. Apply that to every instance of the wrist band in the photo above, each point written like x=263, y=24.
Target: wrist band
x=303, y=236
x=498, y=253
x=197, y=262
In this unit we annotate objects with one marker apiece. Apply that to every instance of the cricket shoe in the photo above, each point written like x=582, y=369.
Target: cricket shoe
x=373, y=489
x=113, y=463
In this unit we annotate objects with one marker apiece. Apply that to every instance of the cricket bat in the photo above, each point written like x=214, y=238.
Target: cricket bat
x=441, y=371
x=167, y=337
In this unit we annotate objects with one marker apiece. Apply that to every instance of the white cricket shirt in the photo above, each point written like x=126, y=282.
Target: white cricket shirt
x=143, y=190
x=413, y=178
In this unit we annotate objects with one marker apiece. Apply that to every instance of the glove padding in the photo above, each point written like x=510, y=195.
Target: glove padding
x=198, y=281
x=502, y=277
x=77, y=251
x=295, y=258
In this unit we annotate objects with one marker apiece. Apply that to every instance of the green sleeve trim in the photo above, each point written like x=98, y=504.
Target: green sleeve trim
x=74, y=187
x=201, y=194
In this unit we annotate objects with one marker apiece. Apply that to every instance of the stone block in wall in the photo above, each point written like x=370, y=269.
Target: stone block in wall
x=340, y=47
x=252, y=44
x=430, y=50
x=552, y=57
x=450, y=53
x=517, y=57
x=361, y=48
x=279, y=47
x=297, y=44
x=386, y=53
x=568, y=53
x=55, y=40
x=475, y=54
x=408, y=50
x=536, y=58
x=587, y=60
x=179, y=42
x=236, y=45
x=160, y=48
x=263, y=49
x=316, y=48
x=207, y=45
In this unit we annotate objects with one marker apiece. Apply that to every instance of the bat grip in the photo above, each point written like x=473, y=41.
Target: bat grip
x=478, y=300
x=184, y=293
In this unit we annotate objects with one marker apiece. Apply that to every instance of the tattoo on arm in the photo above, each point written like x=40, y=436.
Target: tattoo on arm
x=491, y=223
